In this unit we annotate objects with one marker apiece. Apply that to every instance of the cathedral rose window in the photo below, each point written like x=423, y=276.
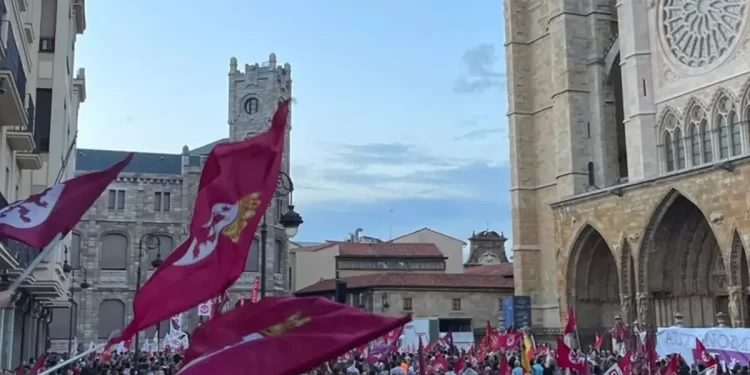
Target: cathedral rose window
x=700, y=32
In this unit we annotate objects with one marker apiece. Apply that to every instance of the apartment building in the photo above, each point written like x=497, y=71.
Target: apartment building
x=40, y=93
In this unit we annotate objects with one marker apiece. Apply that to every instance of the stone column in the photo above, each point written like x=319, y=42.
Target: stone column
x=626, y=302
x=6, y=357
x=644, y=310
x=736, y=306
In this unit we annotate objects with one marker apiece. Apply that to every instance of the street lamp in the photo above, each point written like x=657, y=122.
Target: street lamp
x=291, y=221
x=84, y=284
x=148, y=242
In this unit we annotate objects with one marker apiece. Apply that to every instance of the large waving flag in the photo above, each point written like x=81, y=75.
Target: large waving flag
x=236, y=186
x=39, y=219
x=260, y=336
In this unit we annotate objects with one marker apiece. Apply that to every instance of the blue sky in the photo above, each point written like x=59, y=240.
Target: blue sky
x=399, y=121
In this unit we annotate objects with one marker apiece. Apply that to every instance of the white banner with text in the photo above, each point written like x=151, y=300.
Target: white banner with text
x=730, y=344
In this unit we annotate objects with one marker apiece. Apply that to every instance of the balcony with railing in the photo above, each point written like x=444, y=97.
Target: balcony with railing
x=12, y=85
x=22, y=139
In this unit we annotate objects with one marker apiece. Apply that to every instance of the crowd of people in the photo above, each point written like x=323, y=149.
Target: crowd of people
x=116, y=364
x=599, y=362
x=436, y=362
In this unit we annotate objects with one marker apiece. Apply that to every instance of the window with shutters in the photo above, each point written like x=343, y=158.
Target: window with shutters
x=456, y=304
x=253, y=259
x=111, y=317
x=116, y=199
x=74, y=254
x=58, y=328
x=114, y=252
x=407, y=304
x=166, y=245
x=48, y=26
x=162, y=201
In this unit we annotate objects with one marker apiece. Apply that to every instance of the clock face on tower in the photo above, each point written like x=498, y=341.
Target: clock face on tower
x=488, y=258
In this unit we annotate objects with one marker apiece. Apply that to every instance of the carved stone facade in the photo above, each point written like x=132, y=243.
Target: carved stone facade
x=637, y=193
x=155, y=195
x=487, y=248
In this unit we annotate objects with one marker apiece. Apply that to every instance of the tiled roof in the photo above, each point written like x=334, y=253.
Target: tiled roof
x=89, y=160
x=143, y=162
x=413, y=280
x=385, y=249
x=504, y=269
x=388, y=249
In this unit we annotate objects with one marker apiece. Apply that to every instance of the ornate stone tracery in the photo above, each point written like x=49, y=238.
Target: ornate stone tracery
x=699, y=33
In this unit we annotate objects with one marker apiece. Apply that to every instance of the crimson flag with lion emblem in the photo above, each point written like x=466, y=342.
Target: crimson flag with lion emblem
x=236, y=186
x=258, y=338
x=41, y=218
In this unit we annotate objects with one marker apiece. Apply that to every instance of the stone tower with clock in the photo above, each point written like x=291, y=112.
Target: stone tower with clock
x=629, y=127
x=254, y=95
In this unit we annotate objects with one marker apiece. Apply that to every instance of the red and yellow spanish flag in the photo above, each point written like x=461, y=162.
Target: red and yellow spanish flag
x=527, y=358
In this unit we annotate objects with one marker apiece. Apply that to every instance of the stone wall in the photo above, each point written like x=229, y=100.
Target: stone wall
x=627, y=223
x=479, y=306
x=562, y=57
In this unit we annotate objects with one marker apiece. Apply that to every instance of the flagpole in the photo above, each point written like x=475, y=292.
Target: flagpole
x=32, y=266
x=79, y=356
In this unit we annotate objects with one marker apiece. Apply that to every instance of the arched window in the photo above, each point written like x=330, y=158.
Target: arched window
x=278, y=262
x=730, y=140
x=166, y=245
x=253, y=259
x=111, y=317
x=114, y=253
x=74, y=254
x=251, y=106
x=58, y=328
x=668, y=151
x=695, y=145
x=708, y=150
x=679, y=148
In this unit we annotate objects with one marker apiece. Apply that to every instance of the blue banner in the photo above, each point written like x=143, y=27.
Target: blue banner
x=508, y=317
x=517, y=311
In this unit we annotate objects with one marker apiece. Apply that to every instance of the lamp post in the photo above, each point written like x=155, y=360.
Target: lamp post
x=291, y=221
x=148, y=242
x=84, y=284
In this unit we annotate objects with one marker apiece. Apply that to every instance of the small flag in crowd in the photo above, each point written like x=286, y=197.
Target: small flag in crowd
x=599, y=341
x=702, y=355
x=570, y=327
x=567, y=358
x=260, y=336
x=38, y=365
x=236, y=186
x=37, y=220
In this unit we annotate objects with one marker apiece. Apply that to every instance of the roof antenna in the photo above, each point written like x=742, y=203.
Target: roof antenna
x=487, y=225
